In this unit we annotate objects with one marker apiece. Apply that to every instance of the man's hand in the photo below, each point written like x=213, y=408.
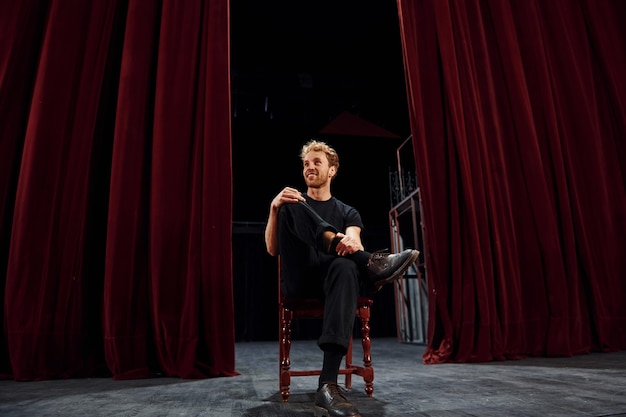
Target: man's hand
x=287, y=195
x=348, y=244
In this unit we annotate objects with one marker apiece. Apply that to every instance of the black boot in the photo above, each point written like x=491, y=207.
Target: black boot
x=384, y=268
x=330, y=402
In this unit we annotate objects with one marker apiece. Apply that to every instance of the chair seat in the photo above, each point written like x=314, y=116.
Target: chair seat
x=313, y=307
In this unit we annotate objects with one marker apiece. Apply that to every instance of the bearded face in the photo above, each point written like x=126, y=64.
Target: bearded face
x=315, y=169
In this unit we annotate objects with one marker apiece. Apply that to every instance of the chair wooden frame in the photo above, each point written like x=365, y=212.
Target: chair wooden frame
x=290, y=309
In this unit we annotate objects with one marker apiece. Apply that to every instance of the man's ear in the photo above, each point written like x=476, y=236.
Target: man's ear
x=332, y=172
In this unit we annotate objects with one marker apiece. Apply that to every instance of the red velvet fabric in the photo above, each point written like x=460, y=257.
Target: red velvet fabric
x=116, y=182
x=518, y=119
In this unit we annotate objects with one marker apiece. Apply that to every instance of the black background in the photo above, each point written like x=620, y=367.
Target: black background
x=295, y=67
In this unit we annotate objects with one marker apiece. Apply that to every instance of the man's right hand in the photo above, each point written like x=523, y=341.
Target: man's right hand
x=287, y=195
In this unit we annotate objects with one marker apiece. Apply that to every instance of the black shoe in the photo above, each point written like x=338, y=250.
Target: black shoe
x=384, y=268
x=330, y=402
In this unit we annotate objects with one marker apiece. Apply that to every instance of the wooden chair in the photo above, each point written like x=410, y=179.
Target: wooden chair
x=290, y=309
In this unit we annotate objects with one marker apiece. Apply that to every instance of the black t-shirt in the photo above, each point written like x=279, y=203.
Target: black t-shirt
x=336, y=213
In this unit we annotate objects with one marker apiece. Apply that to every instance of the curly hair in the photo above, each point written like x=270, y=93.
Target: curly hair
x=319, y=146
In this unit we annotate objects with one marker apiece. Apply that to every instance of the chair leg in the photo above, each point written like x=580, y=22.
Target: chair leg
x=368, y=372
x=286, y=317
x=348, y=360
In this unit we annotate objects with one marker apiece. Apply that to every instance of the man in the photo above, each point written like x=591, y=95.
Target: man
x=319, y=240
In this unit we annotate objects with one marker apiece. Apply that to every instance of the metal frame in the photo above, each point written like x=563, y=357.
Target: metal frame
x=406, y=230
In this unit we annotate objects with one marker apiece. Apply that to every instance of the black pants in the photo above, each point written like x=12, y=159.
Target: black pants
x=308, y=271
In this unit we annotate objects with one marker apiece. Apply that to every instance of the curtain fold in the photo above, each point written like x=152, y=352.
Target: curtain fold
x=517, y=117
x=21, y=29
x=118, y=262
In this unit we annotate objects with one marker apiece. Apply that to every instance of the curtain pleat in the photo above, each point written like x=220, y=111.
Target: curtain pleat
x=119, y=147
x=517, y=119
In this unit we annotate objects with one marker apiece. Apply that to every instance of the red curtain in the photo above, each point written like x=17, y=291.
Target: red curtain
x=116, y=189
x=518, y=117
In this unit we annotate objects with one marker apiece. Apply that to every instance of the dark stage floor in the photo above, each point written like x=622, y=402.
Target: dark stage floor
x=587, y=385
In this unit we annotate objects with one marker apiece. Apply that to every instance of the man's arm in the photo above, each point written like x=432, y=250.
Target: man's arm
x=287, y=195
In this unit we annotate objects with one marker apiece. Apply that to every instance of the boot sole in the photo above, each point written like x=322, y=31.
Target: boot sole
x=322, y=412
x=378, y=285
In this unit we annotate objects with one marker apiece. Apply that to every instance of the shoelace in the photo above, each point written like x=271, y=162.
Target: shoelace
x=336, y=390
x=379, y=256
x=381, y=253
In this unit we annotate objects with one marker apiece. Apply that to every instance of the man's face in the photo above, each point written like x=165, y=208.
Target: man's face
x=316, y=170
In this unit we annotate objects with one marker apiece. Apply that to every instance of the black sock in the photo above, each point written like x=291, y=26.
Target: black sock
x=361, y=258
x=333, y=246
x=330, y=366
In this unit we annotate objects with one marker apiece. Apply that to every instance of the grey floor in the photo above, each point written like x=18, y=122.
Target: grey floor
x=586, y=385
